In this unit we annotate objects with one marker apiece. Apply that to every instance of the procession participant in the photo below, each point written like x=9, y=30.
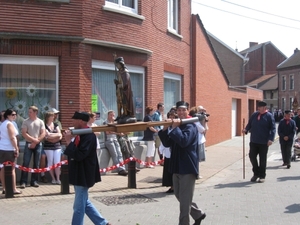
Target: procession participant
x=286, y=132
x=183, y=141
x=83, y=170
x=261, y=125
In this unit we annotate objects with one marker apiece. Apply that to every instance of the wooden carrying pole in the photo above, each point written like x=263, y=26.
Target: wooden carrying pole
x=129, y=127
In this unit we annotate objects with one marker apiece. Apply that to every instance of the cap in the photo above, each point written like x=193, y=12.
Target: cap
x=182, y=104
x=54, y=110
x=119, y=60
x=81, y=116
x=261, y=103
x=287, y=111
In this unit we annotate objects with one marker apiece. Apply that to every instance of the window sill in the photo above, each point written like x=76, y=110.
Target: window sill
x=115, y=10
x=175, y=33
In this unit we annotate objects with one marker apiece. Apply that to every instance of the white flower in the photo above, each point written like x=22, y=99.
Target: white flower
x=20, y=105
x=31, y=90
x=46, y=108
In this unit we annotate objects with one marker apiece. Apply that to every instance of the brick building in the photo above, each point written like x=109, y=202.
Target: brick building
x=60, y=54
x=289, y=82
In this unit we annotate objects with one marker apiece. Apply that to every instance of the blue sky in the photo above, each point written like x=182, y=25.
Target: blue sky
x=238, y=22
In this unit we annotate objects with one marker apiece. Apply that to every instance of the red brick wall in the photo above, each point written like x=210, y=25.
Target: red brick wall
x=41, y=17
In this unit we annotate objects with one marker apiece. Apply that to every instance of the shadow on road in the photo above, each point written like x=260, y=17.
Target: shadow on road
x=294, y=208
x=234, y=185
x=288, y=178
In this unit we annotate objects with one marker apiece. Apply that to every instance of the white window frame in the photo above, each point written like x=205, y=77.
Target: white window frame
x=34, y=60
x=292, y=82
x=119, y=8
x=171, y=18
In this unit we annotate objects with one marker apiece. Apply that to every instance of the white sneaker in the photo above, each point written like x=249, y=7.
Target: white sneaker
x=53, y=182
x=58, y=182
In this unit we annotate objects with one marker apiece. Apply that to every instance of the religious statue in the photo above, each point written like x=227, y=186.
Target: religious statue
x=124, y=93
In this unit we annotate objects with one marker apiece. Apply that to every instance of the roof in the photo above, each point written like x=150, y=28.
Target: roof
x=265, y=82
x=294, y=60
x=258, y=46
x=221, y=42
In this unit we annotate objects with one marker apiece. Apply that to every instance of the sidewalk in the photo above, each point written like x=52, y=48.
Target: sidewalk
x=218, y=157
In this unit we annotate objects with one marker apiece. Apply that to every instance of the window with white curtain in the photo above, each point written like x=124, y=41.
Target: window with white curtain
x=104, y=88
x=126, y=5
x=283, y=84
x=26, y=81
x=172, y=90
x=173, y=15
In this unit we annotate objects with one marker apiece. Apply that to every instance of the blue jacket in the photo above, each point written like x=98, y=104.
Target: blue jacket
x=183, y=141
x=82, y=161
x=261, y=130
x=285, y=129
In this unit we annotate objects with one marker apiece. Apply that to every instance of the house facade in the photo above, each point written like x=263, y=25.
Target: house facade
x=59, y=54
x=263, y=59
x=289, y=82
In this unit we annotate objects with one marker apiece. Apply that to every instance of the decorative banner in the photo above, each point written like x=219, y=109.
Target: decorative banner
x=94, y=103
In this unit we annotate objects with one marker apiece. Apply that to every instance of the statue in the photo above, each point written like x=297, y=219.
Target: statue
x=124, y=93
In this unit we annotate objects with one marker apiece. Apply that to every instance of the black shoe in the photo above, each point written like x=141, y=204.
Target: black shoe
x=170, y=191
x=3, y=192
x=123, y=173
x=284, y=164
x=35, y=184
x=288, y=166
x=254, y=178
x=137, y=170
x=198, y=221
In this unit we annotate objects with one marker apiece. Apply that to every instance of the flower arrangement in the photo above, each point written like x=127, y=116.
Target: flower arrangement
x=21, y=99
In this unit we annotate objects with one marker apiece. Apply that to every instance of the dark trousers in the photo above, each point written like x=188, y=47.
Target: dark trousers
x=261, y=150
x=286, y=149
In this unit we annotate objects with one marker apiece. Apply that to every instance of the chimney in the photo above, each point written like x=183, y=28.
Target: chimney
x=296, y=50
x=251, y=44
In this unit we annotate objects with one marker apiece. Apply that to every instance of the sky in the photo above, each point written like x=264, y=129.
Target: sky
x=238, y=22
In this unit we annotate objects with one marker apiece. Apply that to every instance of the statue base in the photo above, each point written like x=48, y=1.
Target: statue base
x=126, y=119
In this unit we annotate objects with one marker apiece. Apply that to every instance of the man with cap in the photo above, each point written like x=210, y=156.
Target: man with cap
x=124, y=93
x=261, y=125
x=183, y=140
x=286, y=132
x=83, y=170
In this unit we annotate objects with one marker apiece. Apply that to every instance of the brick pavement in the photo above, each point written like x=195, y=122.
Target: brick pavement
x=223, y=193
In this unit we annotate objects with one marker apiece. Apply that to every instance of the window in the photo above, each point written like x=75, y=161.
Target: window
x=283, y=87
x=26, y=81
x=291, y=103
x=292, y=82
x=173, y=15
x=271, y=95
x=103, y=90
x=283, y=103
x=126, y=5
x=172, y=90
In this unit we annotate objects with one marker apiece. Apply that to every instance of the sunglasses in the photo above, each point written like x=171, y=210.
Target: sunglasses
x=13, y=114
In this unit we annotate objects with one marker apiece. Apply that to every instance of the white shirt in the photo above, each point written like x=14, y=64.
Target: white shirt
x=5, y=142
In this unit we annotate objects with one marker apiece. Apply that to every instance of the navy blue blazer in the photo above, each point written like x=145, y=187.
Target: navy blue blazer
x=82, y=161
x=183, y=141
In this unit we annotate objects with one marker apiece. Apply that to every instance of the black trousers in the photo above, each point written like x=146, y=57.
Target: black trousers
x=286, y=151
x=259, y=169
